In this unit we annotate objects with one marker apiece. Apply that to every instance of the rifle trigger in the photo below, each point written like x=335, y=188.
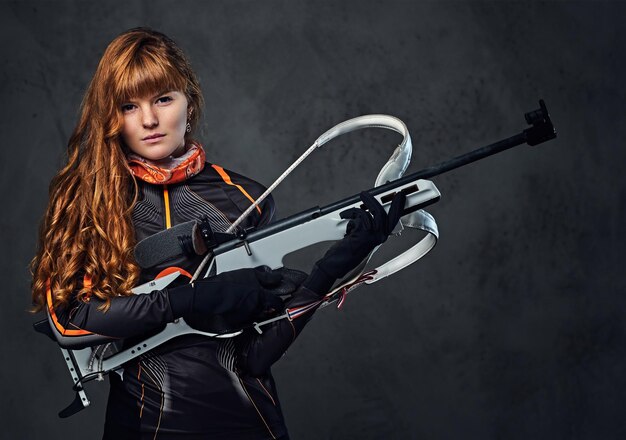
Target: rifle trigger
x=257, y=325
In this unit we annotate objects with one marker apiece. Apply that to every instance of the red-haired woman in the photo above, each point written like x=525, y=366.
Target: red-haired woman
x=133, y=170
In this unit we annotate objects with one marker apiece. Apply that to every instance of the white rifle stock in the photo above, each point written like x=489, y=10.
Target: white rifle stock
x=270, y=244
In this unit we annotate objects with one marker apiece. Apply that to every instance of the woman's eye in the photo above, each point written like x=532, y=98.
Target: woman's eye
x=164, y=99
x=127, y=107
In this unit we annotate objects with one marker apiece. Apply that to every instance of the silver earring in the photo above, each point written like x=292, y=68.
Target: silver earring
x=188, y=129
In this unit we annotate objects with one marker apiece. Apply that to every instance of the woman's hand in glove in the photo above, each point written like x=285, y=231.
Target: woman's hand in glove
x=364, y=232
x=238, y=296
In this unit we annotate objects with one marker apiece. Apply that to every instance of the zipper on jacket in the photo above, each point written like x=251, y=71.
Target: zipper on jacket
x=166, y=202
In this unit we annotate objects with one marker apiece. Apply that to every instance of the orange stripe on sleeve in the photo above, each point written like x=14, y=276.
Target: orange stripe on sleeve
x=64, y=331
x=226, y=178
x=172, y=269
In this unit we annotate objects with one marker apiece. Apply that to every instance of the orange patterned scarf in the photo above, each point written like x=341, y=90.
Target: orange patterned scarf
x=177, y=169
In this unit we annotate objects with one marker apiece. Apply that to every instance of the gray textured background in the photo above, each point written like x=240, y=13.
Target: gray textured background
x=511, y=328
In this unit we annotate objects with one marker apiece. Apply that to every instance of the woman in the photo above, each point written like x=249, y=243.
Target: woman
x=133, y=170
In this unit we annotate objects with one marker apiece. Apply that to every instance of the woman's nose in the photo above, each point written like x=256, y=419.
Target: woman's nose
x=149, y=118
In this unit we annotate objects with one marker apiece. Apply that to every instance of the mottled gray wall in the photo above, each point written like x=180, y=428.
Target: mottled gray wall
x=511, y=328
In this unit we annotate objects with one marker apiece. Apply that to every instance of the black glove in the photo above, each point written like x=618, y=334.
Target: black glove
x=364, y=232
x=237, y=296
x=291, y=280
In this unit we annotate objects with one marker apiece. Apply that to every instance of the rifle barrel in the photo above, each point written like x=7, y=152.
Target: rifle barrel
x=541, y=131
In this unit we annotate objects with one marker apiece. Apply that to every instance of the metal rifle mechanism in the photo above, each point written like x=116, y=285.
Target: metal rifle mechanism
x=89, y=359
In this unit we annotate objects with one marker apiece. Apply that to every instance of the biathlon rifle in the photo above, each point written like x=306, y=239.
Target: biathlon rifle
x=88, y=358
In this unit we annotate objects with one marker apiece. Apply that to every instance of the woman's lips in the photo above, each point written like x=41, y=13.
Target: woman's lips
x=153, y=138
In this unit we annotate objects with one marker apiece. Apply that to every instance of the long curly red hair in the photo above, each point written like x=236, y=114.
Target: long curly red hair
x=87, y=229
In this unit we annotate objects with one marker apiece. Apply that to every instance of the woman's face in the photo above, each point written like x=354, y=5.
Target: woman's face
x=154, y=126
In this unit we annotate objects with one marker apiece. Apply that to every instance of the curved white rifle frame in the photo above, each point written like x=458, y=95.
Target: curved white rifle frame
x=392, y=170
x=81, y=361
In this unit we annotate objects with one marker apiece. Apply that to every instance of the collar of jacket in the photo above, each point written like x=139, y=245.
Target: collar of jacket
x=176, y=170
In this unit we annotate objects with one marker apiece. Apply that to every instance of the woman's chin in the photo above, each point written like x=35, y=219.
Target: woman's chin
x=155, y=155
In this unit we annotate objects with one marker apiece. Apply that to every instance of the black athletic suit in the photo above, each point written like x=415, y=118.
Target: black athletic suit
x=191, y=387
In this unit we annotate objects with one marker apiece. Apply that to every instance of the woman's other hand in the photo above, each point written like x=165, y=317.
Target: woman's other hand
x=365, y=231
